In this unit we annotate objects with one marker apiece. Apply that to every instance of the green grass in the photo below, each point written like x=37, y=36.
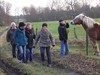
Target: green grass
x=53, y=27
x=81, y=34
x=2, y=28
x=33, y=68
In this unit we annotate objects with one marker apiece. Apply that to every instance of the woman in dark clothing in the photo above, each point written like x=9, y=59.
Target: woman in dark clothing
x=31, y=36
x=63, y=37
x=10, y=38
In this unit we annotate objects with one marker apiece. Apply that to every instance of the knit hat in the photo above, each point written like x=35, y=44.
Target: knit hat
x=21, y=24
x=44, y=24
x=61, y=20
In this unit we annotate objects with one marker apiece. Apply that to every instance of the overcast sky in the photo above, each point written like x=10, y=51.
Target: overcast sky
x=21, y=3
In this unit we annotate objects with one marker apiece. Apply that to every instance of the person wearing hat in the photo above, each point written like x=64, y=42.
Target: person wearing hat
x=44, y=36
x=63, y=37
x=21, y=41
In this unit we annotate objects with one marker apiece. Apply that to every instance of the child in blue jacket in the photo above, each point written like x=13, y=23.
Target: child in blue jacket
x=21, y=41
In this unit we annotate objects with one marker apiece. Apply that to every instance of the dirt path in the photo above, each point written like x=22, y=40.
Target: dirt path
x=5, y=69
x=58, y=65
x=2, y=72
x=55, y=66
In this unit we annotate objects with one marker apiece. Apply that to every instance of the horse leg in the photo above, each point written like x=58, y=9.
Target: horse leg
x=95, y=46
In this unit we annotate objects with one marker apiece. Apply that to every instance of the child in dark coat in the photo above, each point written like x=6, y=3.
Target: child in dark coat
x=31, y=36
x=63, y=37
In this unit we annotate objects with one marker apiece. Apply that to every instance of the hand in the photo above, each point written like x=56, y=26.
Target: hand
x=33, y=46
x=65, y=22
x=53, y=45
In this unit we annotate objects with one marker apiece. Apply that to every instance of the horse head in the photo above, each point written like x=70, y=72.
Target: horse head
x=78, y=19
x=84, y=20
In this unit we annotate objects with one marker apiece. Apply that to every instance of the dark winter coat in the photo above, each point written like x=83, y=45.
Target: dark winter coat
x=20, y=37
x=9, y=36
x=63, y=34
x=31, y=36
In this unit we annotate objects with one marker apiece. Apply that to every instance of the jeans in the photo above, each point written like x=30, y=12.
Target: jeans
x=42, y=51
x=22, y=53
x=62, y=45
x=13, y=50
x=29, y=54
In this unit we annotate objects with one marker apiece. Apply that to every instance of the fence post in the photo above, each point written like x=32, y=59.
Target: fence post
x=86, y=43
x=75, y=33
x=36, y=30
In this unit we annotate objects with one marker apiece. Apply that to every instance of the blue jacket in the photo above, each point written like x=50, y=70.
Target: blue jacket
x=20, y=37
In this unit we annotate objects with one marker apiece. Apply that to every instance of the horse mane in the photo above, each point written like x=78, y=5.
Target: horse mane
x=87, y=20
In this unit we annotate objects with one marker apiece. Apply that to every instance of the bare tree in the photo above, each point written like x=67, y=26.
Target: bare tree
x=5, y=13
x=71, y=3
x=52, y=4
x=86, y=2
x=25, y=11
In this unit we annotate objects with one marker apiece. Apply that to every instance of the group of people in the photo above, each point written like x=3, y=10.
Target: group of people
x=25, y=40
x=21, y=37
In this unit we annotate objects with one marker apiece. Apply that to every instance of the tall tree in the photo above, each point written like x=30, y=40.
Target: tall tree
x=5, y=13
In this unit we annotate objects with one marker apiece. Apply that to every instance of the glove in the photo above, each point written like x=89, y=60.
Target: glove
x=33, y=46
x=53, y=45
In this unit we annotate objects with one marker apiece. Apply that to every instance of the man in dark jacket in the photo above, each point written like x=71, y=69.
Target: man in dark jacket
x=63, y=37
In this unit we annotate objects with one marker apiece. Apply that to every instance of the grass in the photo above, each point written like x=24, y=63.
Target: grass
x=2, y=72
x=53, y=27
x=2, y=28
x=81, y=34
x=34, y=68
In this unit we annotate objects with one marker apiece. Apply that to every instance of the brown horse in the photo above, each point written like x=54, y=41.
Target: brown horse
x=92, y=29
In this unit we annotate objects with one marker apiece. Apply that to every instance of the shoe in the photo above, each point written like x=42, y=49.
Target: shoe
x=49, y=65
x=43, y=63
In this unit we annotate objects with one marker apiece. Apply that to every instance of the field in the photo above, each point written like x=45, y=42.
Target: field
x=77, y=47
x=53, y=27
x=76, y=63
